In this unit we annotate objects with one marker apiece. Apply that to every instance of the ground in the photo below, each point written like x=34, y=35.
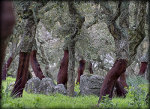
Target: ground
x=135, y=98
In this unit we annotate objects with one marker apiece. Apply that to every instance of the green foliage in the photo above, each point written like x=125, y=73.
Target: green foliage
x=106, y=102
x=134, y=99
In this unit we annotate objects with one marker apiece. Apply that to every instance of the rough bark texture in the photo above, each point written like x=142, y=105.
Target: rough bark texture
x=120, y=91
x=90, y=68
x=62, y=76
x=35, y=65
x=143, y=68
x=148, y=94
x=77, y=21
x=80, y=69
x=118, y=68
x=71, y=70
x=7, y=22
x=138, y=34
x=5, y=68
x=28, y=35
x=22, y=74
x=126, y=40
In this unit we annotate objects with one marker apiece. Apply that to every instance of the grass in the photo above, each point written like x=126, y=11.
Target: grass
x=134, y=98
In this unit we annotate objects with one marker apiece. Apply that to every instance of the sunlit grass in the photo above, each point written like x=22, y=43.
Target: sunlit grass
x=62, y=101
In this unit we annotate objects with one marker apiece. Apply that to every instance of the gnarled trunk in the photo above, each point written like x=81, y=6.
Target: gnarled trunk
x=143, y=68
x=5, y=68
x=80, y=69
x=35, y=65
x=110, y=80
x=62, y=76
x=22, y=74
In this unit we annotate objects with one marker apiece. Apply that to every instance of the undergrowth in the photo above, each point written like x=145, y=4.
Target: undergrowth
x=137, y=91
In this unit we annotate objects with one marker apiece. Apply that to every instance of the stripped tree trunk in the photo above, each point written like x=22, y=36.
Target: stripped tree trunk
x=120, y=91
x=15, y=40
x=35, y=65
x=122, y=80
x=125, y=44
x=80, y=69
x=110, y=80
x=77, y=21
x=143, y=68
x=26, y=48
x=5, y=68
x=22, y=74
x=7, y=22
x=90, y=68
x=148, y=94
x=9, y=61
x=34, y=62
x=62, y=76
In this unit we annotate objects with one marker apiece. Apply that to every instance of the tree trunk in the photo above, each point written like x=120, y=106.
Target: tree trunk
x=7, y=22
x=120, y=91
x=62, y=76
x=143, y=68
x=14, y=53
x=90, y=68
x=29, y=75
x=71, y=70
x=27, y=41
x=22, y=74
x=118, y=68
x=5, y=68
x=148, y=94
x=77, y=22
x=80, y=69
x=122, y=80
x=35, y=65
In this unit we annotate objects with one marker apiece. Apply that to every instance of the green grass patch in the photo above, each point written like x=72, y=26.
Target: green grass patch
x=135, y=98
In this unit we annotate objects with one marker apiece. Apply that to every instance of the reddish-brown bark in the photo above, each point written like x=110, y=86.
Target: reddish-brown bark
x=90, y=68
x=22, y=74
x=62, y=76
x=7, y=22
x=118, y=68
x=122, y=80
x=80, y=69
x=35, y=65
x=120, y=91
x=29, y=75
x=143, y=68
x=5, y=68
